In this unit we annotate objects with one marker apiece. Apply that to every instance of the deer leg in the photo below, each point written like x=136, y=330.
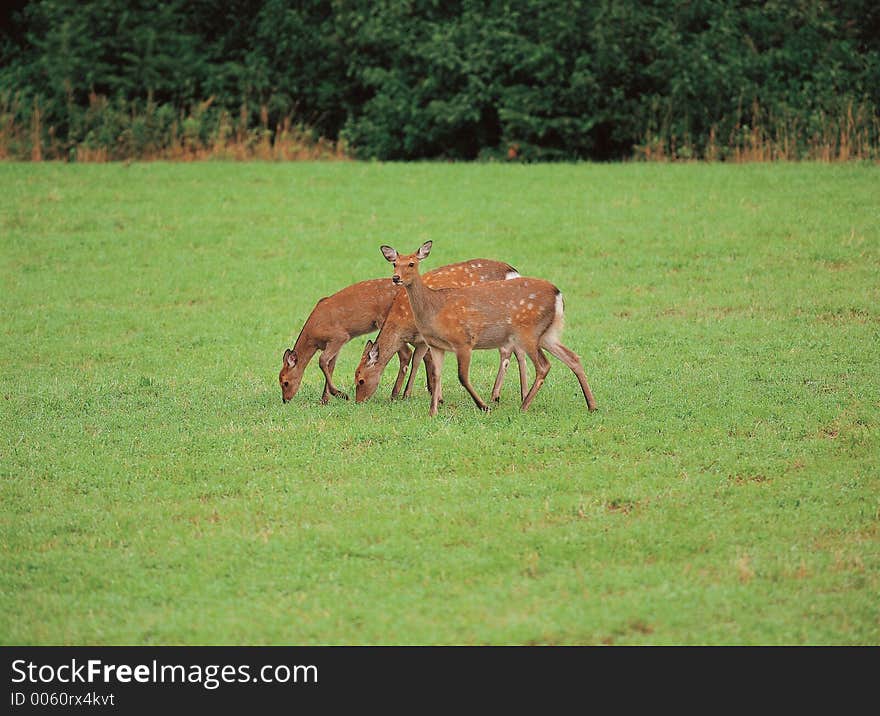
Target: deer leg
x=325, y=395
x=437, y=356
x=429, y=367
x=571, y=359
x=419, y=355
x=523, y=373
x=504, y=355
x=327, y=362
x=464, y=366
x=403, y=355
x=542, y=367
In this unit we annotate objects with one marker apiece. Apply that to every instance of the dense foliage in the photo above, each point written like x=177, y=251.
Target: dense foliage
x=535, y=79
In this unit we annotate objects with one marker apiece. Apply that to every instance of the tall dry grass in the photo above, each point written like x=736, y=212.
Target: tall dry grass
x=111, y=133
x=853, y=134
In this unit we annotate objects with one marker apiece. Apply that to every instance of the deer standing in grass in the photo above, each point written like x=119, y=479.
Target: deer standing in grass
x=400, y=328
x=333, y=322
x=524, y=314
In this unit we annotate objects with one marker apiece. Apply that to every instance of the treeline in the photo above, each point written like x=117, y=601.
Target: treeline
x=412, y=79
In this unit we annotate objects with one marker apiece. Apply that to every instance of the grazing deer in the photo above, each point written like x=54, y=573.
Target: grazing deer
x=400, y=328
x=333, y=322
x=523, y=314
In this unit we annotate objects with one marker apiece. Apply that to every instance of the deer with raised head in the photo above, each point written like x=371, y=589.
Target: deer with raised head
x=400, y=328
x=525, y=314
x=333, y=322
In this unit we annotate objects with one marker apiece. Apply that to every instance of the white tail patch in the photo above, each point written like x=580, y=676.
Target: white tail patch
x=511, y=274
x=553, y=334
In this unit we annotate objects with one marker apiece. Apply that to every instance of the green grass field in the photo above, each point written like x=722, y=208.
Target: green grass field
x=155, y=490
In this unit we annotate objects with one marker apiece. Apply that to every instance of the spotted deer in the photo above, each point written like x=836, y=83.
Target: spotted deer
x=400, y=329
x=333, y=322
x=524, y=314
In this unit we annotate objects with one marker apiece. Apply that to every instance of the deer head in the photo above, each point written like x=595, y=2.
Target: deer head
x=290, y=376
x=368, y=373
x=406, y=267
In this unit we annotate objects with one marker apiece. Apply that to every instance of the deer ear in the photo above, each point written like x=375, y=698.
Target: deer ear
x=424, y=250
x=373, y=355
x=367, y=347
x=290, y=357
x=389, y=253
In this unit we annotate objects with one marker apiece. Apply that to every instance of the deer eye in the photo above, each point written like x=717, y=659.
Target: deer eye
x=361, y=381
x=411, y=264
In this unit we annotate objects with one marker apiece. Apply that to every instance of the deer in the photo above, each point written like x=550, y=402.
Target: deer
x=526, y=314
x=358, y=309
x=400, y=328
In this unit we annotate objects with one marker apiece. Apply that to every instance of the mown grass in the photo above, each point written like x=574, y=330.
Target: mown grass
x=155, y=489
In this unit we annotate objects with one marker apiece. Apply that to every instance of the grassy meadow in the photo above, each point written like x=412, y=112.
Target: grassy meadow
x=155, y=490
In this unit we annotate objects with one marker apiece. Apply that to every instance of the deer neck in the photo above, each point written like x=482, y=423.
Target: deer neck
x=305, y=349
x=423, y=301
x=388, y=342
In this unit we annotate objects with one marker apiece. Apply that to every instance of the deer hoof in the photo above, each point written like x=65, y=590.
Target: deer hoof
x=340, y=394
